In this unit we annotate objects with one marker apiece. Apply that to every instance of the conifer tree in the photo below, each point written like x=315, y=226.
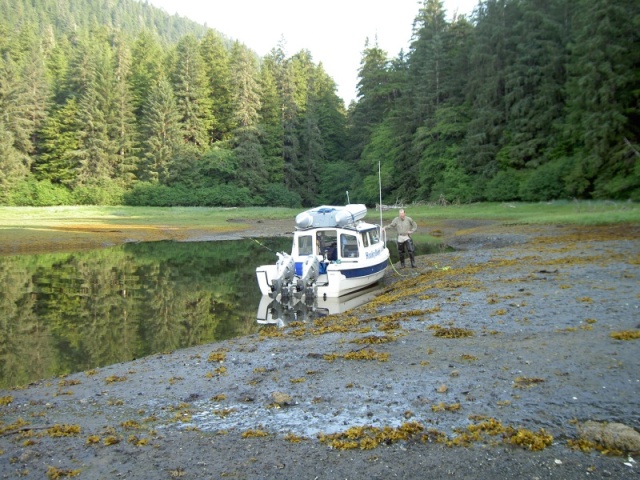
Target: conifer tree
x=161, y=133
x=216, y=65
x=603, y=100
x=14, y=105
x=271, y=117
x=147, y=66
x=14, y=165
x=59, y=145
x=190, y=88
x=252, y=171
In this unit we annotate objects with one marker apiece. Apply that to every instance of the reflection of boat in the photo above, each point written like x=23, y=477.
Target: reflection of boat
x=276, y=311
x=334, y=253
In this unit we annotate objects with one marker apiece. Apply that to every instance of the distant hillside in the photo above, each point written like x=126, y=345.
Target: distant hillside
x=128, y=16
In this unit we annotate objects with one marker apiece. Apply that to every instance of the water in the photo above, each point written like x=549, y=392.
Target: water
x=69, y=312
x=64, y=313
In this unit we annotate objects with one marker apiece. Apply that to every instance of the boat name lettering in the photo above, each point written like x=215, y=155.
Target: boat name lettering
x=374, y=253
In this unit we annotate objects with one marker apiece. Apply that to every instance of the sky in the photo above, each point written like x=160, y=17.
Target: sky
x=333, y=31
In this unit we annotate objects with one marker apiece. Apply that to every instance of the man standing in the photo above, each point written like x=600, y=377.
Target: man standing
x=405, y=226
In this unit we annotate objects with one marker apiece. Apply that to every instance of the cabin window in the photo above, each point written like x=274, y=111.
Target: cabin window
x=365, y=239
x=375, y=236
x=348, y=246
x=327, y=240
x=305, y=245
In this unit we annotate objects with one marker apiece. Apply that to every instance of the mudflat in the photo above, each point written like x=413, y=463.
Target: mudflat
x=485, y=362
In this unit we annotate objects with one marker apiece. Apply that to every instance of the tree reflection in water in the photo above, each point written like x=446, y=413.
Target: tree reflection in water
x=64, y=313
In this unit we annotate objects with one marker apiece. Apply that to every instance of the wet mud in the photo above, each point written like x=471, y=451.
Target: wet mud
x=479, y=363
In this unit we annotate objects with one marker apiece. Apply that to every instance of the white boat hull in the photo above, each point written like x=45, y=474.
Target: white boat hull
x=338, y=281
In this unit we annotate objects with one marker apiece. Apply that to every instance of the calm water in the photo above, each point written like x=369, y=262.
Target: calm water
x=64, y=313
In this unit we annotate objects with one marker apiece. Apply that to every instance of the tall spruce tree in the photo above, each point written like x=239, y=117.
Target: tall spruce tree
x=14, y=165
x=494, y=47
x=15, y=104
x=375, y=96
x=252, y=171
x=603, y=100
x=271, y=115
x=122, y=119
x=60, y=141
x=147, y=66
x=216, y=65
x=96, y=153
x=161, y=133
x=189, y=83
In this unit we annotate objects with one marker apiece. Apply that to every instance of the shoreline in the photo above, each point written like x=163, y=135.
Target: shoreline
x=515, y=326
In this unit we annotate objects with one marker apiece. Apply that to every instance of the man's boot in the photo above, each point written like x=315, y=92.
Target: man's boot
x=413, y=261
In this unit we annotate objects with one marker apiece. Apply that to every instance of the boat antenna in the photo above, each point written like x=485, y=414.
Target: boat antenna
x=348, y=201
x=380, y=190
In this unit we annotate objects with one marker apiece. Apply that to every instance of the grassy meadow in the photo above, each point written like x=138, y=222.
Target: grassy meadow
x=559, y=212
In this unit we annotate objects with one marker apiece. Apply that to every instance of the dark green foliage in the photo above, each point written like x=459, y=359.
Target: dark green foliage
x=33, y=193
x=531, y=100
x=277, y=195
x=527, y=100
x=180, y=195
x=545, y=183
x=505, y=186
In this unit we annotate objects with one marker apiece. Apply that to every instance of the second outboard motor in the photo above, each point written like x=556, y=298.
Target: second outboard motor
x=285, y=270
x=310, y=270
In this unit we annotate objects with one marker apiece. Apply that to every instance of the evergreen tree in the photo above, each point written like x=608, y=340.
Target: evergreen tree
x=216, y=64
x=161, y=133
x=147, y=66
x=96, y=152
x=291, y=114
x=14, y=165
x=190, y=88
x=122, y=118
x=312, y=154
x=376, y=94
x=271, y=115
x=603, y=121
x=428, y=68
x=252, y=171
x=14, y=105
x=494, y=47
x=60, y=142
x=36, y=94
x=534, y=84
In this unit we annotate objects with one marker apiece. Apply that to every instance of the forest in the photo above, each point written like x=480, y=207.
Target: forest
x=116, y=102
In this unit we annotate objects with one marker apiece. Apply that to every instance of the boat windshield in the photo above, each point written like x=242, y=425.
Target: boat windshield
x=370, y=237
x=348, y=246
x=305, y=245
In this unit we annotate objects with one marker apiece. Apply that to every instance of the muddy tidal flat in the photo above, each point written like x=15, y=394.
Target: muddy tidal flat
x=507, y=358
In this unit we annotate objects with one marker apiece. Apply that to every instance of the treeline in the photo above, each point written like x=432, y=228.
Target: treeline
x=116, y=102
x=99, y=105
x=534, y=100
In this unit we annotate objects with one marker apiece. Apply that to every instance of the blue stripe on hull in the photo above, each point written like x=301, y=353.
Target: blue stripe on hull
x=364, y=271
x=352, y=272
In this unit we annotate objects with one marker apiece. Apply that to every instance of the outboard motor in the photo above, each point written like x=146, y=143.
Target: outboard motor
x=285, y=270
x=310, y=270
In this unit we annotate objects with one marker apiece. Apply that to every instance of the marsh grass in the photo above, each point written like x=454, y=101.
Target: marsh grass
x=136, y=216
x=559, y=212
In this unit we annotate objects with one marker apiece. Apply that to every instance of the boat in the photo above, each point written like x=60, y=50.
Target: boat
x=334, y=252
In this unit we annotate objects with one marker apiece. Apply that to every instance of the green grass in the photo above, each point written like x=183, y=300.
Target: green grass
x=560, y=212
x=175, y=216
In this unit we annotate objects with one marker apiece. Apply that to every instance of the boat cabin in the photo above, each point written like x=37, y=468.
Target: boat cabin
x=334, y=245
